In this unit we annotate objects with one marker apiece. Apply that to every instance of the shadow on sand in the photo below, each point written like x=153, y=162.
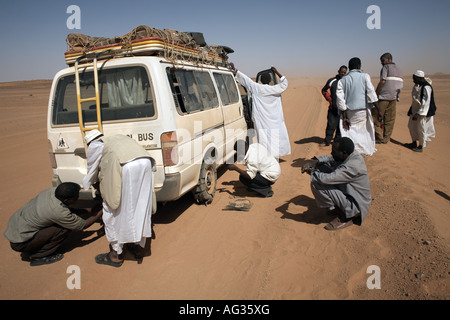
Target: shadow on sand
x=316, y=139
x=312, y=215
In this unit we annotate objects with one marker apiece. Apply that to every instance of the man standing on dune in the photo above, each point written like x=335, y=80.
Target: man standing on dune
x=388, y=91
x=267, y=112
x=329, y=93
x=355, y=93
x=422, y=111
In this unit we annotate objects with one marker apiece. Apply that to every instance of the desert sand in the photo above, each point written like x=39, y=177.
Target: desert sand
x=277, y=250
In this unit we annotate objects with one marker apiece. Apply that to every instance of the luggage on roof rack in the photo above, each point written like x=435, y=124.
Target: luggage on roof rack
x=143, y=40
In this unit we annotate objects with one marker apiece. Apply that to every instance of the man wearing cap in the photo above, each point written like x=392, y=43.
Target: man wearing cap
x=422, y=111
x=123, y=172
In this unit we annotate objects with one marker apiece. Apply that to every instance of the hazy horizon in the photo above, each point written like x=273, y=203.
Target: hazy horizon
x=302, y=39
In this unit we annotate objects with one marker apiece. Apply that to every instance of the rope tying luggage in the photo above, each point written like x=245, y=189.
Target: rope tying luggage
x=177, y=46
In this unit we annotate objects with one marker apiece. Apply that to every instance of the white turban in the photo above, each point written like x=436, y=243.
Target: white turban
x=419, y=74
x=92, y=135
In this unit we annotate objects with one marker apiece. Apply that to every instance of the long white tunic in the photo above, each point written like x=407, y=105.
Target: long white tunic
x=362, y=130
x=267, y=114
x=421, y=129
x=259, y=160
x=131, y=221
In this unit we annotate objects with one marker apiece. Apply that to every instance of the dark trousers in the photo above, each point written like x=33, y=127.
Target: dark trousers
x=44, y=243
x=388, y=111
x=258, y=184
x=332, y=126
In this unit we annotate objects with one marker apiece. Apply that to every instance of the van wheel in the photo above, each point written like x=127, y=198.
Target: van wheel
x=206, y=188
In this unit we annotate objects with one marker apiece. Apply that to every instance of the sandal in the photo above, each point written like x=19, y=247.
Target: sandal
x=104, y=258
x=338, y=224
x=136, y=250
x=46, y=260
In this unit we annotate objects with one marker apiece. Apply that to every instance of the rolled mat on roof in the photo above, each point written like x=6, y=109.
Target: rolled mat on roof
x=194, y=40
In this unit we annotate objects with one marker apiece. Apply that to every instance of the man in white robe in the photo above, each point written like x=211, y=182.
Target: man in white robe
x=354, y=94
x=124, y=171
x=262, y=171
x=421, y=114
x=267, y=113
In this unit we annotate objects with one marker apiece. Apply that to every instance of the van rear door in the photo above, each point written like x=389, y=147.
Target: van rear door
x=127, y=107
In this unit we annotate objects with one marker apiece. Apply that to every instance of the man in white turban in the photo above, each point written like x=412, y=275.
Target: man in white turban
x=124, y=171
x=422, y=111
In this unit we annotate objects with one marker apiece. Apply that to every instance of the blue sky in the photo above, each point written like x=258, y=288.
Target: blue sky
x=300, y=38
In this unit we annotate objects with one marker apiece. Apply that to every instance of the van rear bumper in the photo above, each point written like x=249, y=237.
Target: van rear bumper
x=170, y=190
x=85, y=195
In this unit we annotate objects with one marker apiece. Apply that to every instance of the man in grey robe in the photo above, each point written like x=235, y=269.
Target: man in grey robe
x=341, y=184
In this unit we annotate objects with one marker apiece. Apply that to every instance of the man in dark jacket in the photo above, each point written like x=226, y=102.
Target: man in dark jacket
x=329, y=93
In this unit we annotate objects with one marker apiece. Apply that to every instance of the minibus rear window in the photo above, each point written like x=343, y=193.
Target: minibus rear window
x=125, y=93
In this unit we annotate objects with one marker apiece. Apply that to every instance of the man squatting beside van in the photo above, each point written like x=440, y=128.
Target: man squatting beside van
x=263, y=170
x=123, y=171
x=40, y=226
x=340, y=183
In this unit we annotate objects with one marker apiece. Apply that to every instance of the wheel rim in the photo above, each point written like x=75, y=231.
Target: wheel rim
x=210, y=180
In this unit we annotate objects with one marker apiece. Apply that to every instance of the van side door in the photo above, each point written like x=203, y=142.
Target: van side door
x=233, y=113
x=200, y=116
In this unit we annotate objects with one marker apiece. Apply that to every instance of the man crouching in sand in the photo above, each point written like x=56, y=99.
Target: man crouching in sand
x=340, y=183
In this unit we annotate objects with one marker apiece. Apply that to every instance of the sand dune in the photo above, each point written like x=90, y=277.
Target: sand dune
x=277, y=250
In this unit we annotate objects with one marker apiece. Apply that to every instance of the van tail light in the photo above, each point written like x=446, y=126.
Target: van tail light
x=51, y=155
x=169, y=147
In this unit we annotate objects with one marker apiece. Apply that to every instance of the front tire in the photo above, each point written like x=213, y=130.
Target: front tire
x=206, y=188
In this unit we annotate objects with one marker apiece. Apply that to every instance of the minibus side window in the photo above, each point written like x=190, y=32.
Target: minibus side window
x=193, y=91
x=230, y=84
x=209, y=95
x=189, y=91
x=227, y=88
